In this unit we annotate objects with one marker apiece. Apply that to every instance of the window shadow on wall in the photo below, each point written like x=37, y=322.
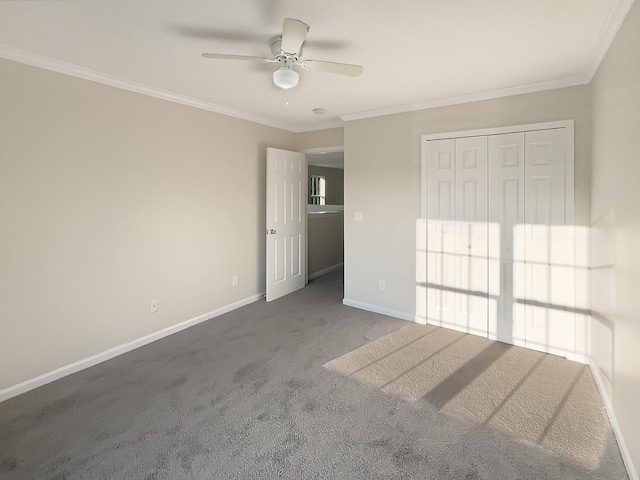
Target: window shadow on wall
x=528, y=288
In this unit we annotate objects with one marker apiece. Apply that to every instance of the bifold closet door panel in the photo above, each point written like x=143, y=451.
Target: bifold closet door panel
x=441, y=234
x=506, y=249
x=471, y=248
x=457, y=286
x=547, y=243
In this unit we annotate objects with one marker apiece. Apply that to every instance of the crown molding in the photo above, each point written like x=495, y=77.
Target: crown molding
x=473, y=97
x=612, y=23
x=337, y=123
x=378, y=112
x=21, y=56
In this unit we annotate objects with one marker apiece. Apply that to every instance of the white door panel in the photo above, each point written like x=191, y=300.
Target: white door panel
x=457, y=234
x=286, y=222
x=440, y=232
x=506, y=213
x=548, y=286
x=471, y=238
x=527, y=201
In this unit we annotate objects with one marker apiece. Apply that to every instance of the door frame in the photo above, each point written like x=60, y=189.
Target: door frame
x=569, y=125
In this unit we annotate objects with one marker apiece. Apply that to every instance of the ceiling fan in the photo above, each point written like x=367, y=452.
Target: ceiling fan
x=287, y=50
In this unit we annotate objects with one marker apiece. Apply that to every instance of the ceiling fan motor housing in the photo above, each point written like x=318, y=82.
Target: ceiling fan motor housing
x=276, y=50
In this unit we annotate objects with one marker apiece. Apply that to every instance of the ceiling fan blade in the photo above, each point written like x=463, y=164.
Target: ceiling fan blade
x=333, y=67
x=293, y=34
x=223, y=56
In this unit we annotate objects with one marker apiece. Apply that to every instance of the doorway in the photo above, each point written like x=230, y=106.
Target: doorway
x=325, y=211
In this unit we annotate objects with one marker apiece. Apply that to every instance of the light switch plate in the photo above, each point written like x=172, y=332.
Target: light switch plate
x=358, y=216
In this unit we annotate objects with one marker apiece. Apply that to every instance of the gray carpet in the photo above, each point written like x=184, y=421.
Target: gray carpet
x=536, y=398
x=247, y=395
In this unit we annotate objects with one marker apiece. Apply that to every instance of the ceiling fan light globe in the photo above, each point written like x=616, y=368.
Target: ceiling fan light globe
x=285, y=78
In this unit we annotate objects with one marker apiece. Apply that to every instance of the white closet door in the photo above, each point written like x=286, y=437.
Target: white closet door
x=534, y=279
x=500, y=239
x=471, y=236
x=457, y=234
x=546, y=244
x=441, y=238
x=506, y=250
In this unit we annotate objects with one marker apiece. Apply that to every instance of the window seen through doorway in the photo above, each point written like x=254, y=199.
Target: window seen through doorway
x=317, y=190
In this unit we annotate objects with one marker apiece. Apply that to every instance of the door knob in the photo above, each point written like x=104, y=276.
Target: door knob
x=272, y=231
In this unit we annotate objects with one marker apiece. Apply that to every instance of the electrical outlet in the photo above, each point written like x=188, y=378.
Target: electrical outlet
x=154, y=306
x=358, y=216
x=234, y=281
x=381, y=285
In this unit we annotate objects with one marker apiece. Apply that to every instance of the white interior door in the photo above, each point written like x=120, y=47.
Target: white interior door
x=457, y=285
x=441, y=235
x=286, y=222
x=506, y=214
x=471, y=239
x=548, y=267
x=535, y=274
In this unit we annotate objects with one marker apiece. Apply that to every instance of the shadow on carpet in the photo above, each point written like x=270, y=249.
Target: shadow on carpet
x=535, y=398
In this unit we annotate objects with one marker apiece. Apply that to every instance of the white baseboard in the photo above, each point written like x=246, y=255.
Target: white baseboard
x=74, y=367
x=624, y=451
x=319, y=273
x=377, y=309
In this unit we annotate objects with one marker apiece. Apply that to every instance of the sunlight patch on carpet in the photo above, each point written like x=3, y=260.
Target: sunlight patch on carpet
x=536, y=398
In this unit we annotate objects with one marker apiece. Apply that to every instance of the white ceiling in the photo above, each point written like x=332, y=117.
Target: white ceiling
x=416, y=53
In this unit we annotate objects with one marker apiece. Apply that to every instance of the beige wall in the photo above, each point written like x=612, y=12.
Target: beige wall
x=382, y=180
x=326, y=237
x=334, y=183
x=110, y=199
x=615, y=216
